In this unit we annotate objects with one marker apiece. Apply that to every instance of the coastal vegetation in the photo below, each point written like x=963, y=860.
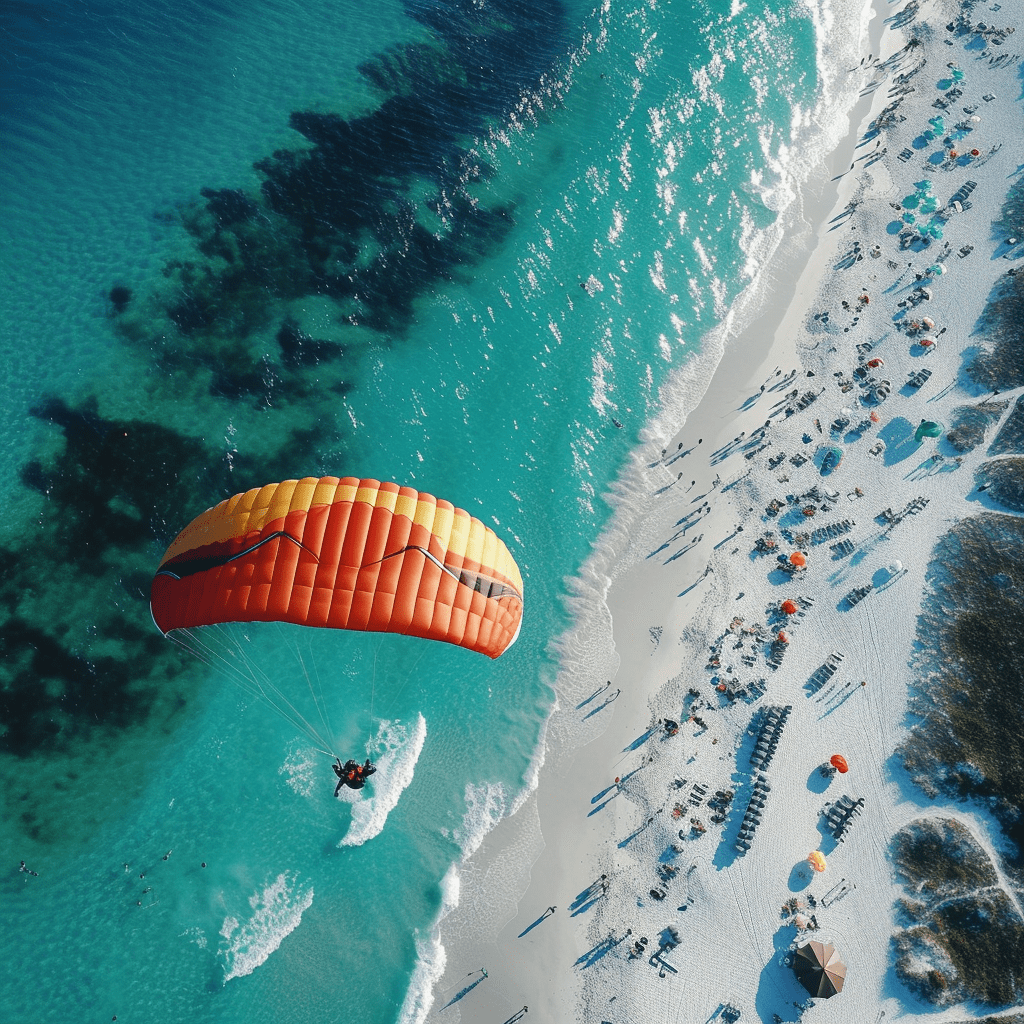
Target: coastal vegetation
x=971, y=424
x=999, y=363
x=962, y=938
x=968, y=741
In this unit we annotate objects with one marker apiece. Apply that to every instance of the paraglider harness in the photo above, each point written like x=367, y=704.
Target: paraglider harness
x=352, y=774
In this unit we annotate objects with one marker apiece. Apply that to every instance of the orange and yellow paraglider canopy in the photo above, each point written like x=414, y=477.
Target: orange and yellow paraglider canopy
x=346, y=554
x=816, y=860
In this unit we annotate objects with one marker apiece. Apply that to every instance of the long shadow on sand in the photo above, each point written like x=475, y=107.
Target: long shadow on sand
x=898, y=435
x=778, y=991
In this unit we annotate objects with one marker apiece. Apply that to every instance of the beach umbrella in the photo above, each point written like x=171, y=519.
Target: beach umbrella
x=975, y=152
x=875, y=363
x=953, y=154
x=909, y=218
x=958, y=75
x=927, y=343
x=782, y=638
x=928, y=322
x=975, y=118
x=789, y=607
x=910, y=202
x=819, y=969
x=927, y=428
x=798, y=558
x=874, y=417
x=816, y=860
x=839, y=763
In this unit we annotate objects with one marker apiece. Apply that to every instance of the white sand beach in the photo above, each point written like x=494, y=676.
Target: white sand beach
x=687, y=594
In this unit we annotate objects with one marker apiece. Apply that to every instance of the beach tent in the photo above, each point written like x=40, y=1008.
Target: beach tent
x=927, y=428
x=819, y=969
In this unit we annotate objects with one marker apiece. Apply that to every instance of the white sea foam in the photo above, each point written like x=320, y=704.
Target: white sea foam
x=430, y=957
x=302, y=766
x=277, y=910
x=485, y=807
x=396, y=749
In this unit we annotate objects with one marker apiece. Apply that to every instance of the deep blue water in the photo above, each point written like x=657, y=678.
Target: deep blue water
x=462, y=246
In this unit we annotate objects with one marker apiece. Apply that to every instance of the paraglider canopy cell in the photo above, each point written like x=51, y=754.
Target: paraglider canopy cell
x=789, y=607
x=819, y=969
x=927, y=428
x=817, y=860
x=839, y=763
x=798, y=558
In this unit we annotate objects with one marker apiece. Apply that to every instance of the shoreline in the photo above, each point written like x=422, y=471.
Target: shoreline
x=660, y=626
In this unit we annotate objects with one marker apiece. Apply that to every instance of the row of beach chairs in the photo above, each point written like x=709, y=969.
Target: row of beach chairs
x=824, y=673
x=752, y=815
x=832, y=532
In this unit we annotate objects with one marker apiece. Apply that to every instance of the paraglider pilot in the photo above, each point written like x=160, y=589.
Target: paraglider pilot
x=352, y=774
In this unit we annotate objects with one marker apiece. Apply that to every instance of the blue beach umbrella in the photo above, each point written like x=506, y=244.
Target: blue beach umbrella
x=911, y=202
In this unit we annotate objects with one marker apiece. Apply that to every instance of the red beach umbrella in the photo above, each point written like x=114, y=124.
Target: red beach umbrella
x=839, y=763
x=875, y=418
x=975, y=152
x=789, y=607
x=875, y=363
x=782, y=638
x=798, y=559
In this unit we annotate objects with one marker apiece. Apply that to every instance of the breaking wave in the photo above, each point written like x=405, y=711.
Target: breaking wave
x=401, y=746
x=277, y=910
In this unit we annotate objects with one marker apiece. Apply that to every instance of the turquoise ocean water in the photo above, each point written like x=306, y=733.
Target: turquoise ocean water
x=463, y=246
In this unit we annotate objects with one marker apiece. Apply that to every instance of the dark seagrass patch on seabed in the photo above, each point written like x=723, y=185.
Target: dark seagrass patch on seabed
x=374, y=213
